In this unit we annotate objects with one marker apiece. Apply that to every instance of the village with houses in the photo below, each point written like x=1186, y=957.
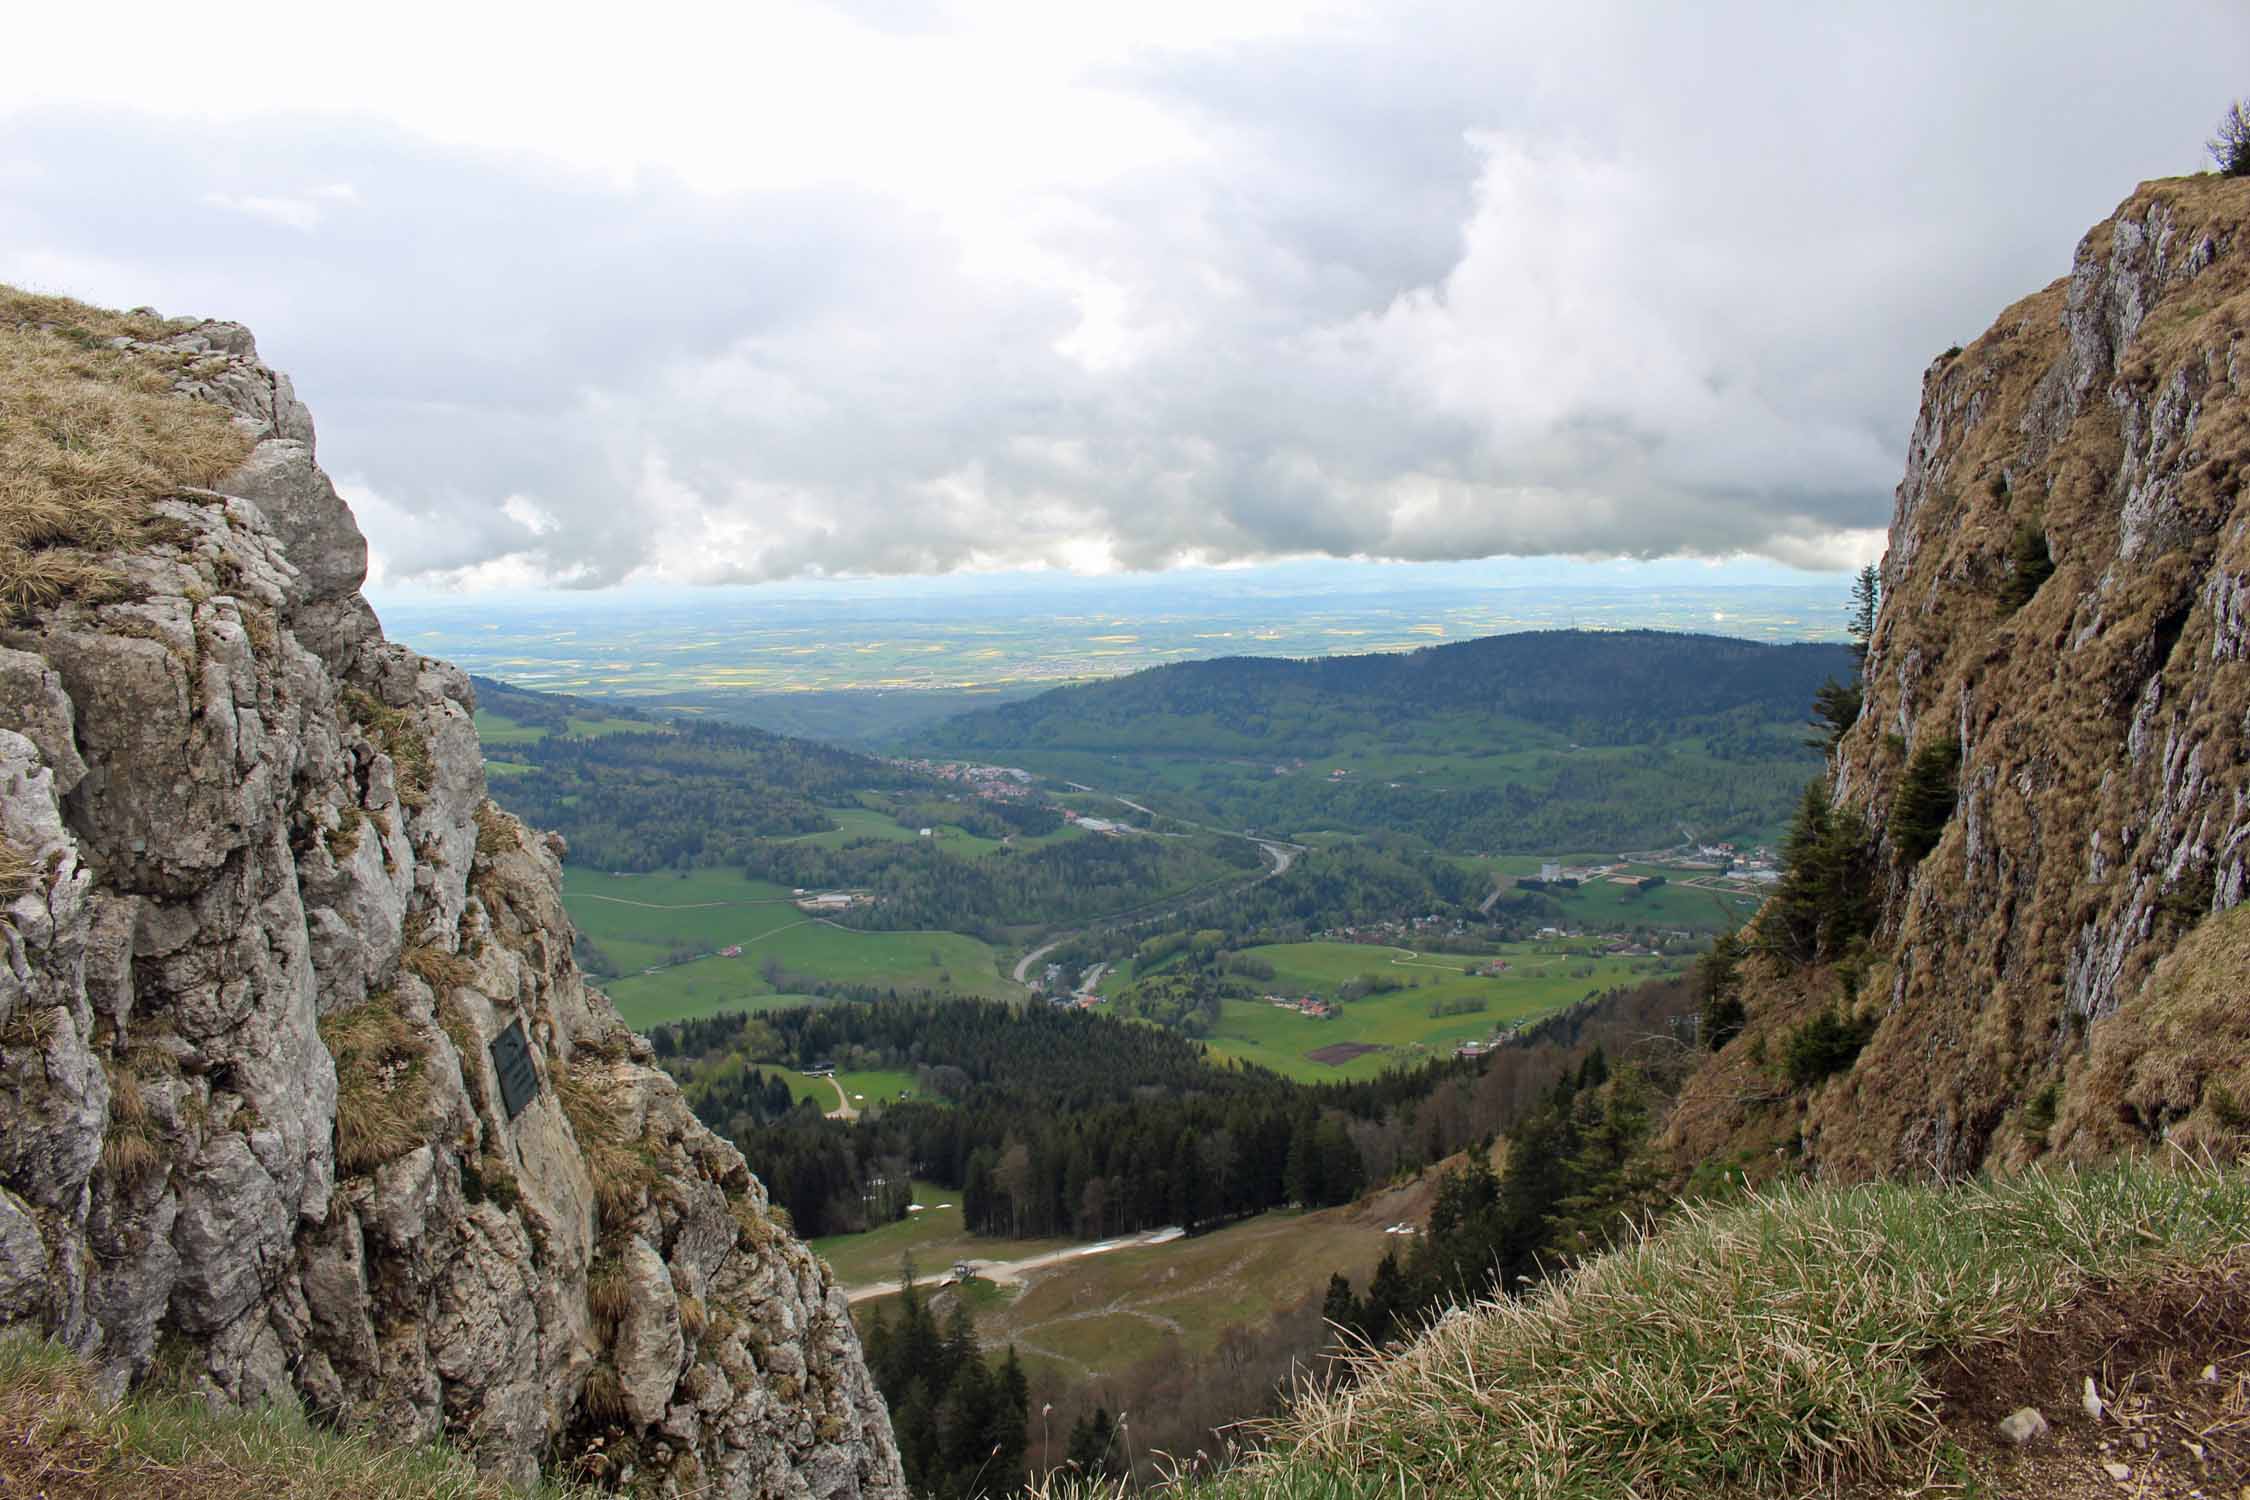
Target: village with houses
x=993, y=783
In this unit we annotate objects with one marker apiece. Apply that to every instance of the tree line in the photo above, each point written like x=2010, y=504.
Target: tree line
x=962, y=1426
x=1068, y=1123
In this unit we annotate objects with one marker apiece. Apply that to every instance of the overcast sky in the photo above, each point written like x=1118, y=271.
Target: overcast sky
x=694, y=294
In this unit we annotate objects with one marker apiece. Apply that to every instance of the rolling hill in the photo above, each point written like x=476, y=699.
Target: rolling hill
x=1620, y=687
x=1544, y=740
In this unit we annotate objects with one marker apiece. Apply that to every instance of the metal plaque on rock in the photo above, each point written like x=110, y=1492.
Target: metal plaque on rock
x=511, y=1059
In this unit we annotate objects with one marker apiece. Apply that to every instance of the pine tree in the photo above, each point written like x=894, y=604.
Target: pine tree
x=1301, y=1177
x=1389, y=1299
x=1826, y=897
x=1867, y=599
x=1925, y=799
x=1536, y=1181
x=965, y=1425
x=1339, y=1309
x=1607, y=1179
x=1836, y=708
x=1090, y=1439
x=960, y=1352
x=1011, y=1427
x=1341, y=1170
x=1718, y=980
x=2030, y=564
x=914, y=1424
x=880, y=1350
x=1594, y=1071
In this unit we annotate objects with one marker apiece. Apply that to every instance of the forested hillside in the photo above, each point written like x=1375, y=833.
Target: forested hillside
x=1625, y=687
x=639, y=794
x=1009, y=1111
x=1546, y=740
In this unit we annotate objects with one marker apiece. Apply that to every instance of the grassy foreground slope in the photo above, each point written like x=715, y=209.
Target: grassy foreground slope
x=1815, y=1339
x=59, y=1441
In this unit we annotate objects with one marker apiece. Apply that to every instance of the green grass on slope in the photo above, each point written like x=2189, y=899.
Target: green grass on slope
x=1542, y=977
x=1779, y=1347
x=61, y=1439
x=878, y=1086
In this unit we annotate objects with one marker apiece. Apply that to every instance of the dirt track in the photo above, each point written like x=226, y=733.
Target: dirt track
x=1009, y=1272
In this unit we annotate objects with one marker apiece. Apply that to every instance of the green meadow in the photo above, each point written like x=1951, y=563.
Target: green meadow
x=1542, y=977
x=858, y=824
x=1607, y=905
x=935, y=1238
x=803, y=1087
x=875, y=1086
x=500, y=730
x=675, y=925
x=642, y=920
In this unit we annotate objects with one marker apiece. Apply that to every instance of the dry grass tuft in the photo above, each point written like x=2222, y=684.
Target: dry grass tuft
x=18, y=871
x=609, y=1295
x=1788, y=1346
x=604, y=1399
x=33, y=1027
x=396, y=734
x=129, y=1149
x=89, y=436
x=467, y=1041
x=382, y=1083
x=496, y=831
x=622, y=1168
x=443, y=972
x=755, y=1230
x=129, y=1154
x=343, y=839
x=2173, y=1063
x=58, y=1440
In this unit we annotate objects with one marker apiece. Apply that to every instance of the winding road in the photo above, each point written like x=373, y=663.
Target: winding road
x=1280, y=851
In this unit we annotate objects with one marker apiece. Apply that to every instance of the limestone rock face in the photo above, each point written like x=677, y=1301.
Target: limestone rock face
x=2104, y=725
x=250, y=1124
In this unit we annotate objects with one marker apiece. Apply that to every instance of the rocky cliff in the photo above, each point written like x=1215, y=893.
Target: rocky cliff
x=2017, y=982
x=263, y=933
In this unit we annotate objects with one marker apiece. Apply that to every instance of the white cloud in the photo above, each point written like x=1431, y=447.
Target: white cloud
x=803, y=290
x=530, y=515
x=299, y=214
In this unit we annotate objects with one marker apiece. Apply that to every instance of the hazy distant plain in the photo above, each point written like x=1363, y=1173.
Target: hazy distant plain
x=718, y=643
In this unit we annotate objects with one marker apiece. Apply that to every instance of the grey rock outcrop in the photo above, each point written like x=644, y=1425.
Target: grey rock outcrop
x=251, y=1131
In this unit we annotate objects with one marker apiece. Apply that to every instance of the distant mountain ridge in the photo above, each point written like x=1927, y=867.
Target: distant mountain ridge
x=1598, y=687
x=1542, y=741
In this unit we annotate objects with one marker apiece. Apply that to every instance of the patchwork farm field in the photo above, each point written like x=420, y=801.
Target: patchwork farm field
x=1397, y=1027
x=676, y=924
